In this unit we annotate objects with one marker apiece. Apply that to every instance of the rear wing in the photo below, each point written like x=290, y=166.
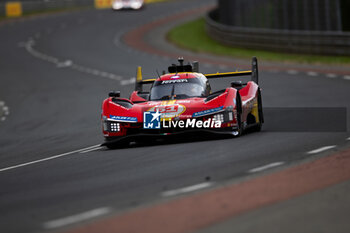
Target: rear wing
x=253, y=73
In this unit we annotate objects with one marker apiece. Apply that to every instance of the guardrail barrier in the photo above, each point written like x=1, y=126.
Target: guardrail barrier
x=292, y=26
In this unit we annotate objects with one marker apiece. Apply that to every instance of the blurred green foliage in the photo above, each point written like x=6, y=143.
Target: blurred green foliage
x=192, y=36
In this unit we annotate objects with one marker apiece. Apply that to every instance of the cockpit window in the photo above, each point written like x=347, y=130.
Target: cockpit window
x=177, y=89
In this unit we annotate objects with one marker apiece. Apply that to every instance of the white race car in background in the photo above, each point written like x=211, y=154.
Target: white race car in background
x=127, y=4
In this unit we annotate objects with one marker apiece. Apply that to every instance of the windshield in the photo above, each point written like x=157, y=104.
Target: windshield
x=177, y=89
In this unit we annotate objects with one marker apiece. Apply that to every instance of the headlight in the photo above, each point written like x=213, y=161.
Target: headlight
x=115, y=127
x=225, y=116
x=230, y=116
x=219, y=117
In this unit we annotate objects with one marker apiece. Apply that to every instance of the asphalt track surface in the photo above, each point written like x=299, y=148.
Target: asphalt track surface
x=56, y=70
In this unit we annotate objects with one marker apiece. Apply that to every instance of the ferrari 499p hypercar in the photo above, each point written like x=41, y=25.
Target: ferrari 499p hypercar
x=127, y=4
x=181, y=102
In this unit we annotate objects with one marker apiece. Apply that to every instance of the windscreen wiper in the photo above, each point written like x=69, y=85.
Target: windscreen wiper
x=172, y=92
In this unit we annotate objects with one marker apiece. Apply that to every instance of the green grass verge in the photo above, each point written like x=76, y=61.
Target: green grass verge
x=192, y=36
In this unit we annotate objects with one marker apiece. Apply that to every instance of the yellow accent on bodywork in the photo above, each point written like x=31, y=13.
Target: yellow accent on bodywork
x=139, y=74
x=229, y=73
x=255, y=111
x=149, y=80
x=167, y=103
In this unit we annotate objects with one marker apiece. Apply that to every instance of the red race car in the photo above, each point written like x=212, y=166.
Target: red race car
x=182, y=102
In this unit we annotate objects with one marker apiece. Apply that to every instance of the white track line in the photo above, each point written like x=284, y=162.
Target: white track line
x=274, y=71
x=127, y=81
x=93, y=149
x=46, y=159
x=265, y=167
x=347, y=77
x=311, y=73
x=77, y=218
x=4, y=110
x=348, y=139
x=64, y=64
x=331, y=75
x=29, y=46
x=321, y=149
x=186, y=189
x=293, y=72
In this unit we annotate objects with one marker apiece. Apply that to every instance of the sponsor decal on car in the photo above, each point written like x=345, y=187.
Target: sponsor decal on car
x=183, y=101
x=168, y=109
x=207, y=112
x=174, y=81
x=123, y=118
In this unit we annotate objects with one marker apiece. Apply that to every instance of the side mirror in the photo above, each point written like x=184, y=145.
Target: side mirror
x=236, y=84
x=114, y=94
x=195, y=66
